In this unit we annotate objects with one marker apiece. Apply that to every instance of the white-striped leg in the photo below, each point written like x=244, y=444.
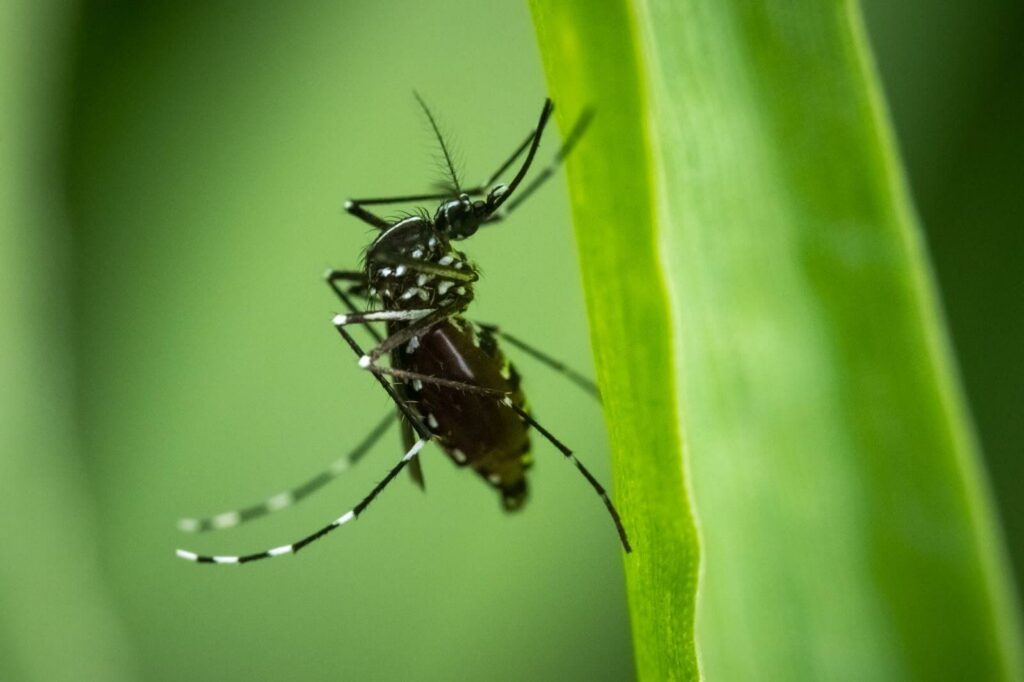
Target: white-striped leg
x=598, y=488
x=415, y=328
x=421, y=430
x=294, y=495
x=296, y=546
x=381, y=316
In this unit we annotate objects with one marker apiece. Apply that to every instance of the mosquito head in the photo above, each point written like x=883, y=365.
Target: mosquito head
x=460, y=218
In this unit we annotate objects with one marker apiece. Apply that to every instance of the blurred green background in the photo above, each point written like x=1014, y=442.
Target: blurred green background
x=172, y=189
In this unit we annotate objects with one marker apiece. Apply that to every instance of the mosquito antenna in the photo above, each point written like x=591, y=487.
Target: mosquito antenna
x=440, y=139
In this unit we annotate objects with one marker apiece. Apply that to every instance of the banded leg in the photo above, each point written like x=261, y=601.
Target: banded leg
x=313, y=537
x=416, y=328
x=553, y=363
x=338, y=275
x=359, y=280
x=406, y=375
x=403, y=407
x=294, y=495
x=598, y=488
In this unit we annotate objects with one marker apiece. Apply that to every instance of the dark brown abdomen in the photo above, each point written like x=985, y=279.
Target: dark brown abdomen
x=474, y=430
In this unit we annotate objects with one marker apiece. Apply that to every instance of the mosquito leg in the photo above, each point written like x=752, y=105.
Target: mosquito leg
x=294, y=547
x=415, y=328
x=598, y=488
x=405, y=375
x=572, y=375
x=405, y=199
x=296, y=494
x=403, y=407
x=416, y=465
x=381, y=316
x=354, y=206
x=340, y=321
x=334, y=277
x=446, y=268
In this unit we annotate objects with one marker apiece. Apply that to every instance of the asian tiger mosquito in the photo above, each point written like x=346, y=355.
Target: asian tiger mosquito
x=447, y=376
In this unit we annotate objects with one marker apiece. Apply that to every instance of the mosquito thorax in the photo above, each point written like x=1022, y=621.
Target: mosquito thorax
x=396, y=278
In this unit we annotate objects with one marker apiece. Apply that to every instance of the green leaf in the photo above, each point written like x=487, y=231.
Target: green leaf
x=757, y=289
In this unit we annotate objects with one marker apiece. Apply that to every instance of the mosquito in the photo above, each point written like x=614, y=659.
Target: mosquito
x=446, y=374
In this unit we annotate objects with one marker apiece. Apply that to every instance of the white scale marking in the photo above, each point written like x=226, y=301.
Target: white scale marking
x=432, y=421
x=340, y=320
x=225, y=560
x=188, y=525
x=414, y=450
x=280, y=501
x=399, y=271
x=417, y=385
x=417, y=254
x=184, y=554
x=226, y=520
x=415, y=291
x=278, y=551
x=445, y=260
x=459, y=455
x=345, y=518
x=413, y=344
x=364, y=361
x=443, y=287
